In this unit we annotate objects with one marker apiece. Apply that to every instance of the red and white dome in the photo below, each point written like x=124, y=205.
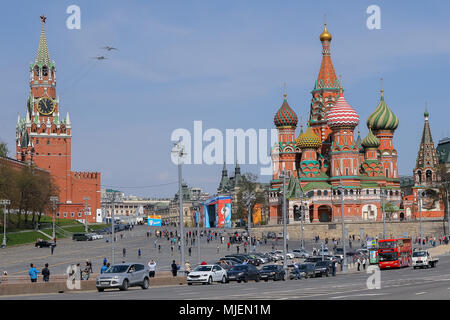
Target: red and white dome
x=342, y=114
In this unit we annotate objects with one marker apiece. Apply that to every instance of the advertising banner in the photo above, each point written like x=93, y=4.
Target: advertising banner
x=257, y=214
x=154, y=221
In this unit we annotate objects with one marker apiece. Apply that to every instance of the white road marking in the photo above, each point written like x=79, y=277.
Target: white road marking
x=418, y=293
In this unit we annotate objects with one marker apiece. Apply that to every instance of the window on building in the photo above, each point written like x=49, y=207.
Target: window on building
x=65, y=214
x=367, y=191
x=325, y=192
x=72, y=214
x=345, y=192
x=48, y=141
x=57, y=214
x=79, y=214
x=351, y=192
x=374, y=191
x=319, y=192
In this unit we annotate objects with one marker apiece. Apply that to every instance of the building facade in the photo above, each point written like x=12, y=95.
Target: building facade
x=43, y=138
x=327, y=158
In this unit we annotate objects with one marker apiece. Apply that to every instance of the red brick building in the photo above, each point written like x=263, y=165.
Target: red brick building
x=43, y=138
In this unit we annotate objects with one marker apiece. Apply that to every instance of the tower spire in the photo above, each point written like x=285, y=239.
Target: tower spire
x=43, y=57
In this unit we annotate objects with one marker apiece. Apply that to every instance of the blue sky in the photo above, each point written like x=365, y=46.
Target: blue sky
x=222, y=62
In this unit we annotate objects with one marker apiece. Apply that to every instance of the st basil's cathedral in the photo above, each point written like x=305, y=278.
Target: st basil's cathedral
x=326, y=158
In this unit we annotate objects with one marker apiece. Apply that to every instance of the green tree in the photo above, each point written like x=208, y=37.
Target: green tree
x=3, y=149
x=248, y=184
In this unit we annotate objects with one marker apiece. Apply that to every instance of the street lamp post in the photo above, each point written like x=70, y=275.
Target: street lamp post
x=249, y=197
x=302, y=212
x=344, y=264
x=197, y=218
x=112, y=200
x=5, y=203
x=419, y=203
x=54, y=200
x=446, y=183
x=284, y=174
x=383, y=196
x=178, y=151
x=86, y=199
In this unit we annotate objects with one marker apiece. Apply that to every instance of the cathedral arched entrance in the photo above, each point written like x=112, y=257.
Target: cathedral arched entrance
x=325, y=214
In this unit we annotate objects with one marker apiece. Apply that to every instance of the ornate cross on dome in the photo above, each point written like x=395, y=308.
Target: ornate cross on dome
x=43, y=18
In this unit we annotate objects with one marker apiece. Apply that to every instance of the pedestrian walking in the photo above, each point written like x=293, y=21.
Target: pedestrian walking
x=364, y=263
x=171, y=248
x=159, y=248
x=359, y=264
x=174, y=268
x=334, y=267
x=52, y=248
x=237, y=249
x=139, y=252
x=46, y=273
x=33, y=273
x=190, y=250
x=217, y=249
x=228, y=246
x=124, y=252
x=187, y=267
x=104, y=268
x=151, y=268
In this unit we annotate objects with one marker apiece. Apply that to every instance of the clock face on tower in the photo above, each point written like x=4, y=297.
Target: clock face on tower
x=45, y=106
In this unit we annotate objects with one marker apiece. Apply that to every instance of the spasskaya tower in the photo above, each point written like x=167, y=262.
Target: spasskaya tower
x=43, y=138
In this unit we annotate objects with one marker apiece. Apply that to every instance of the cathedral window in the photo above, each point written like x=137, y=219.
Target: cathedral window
x=325, y=192
x=319, y=192
x=374, y=191
x=45, y=71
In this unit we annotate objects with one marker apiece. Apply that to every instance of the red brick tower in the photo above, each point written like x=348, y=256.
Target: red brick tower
x=44, y=139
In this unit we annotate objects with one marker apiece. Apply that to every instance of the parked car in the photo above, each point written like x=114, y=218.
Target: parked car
x=272, y=271
x=207, y=274
x=271, y=235
x=339, y=252
x=301, y=253
x=44, y=244
x=289, y=255
x=324, y=251
x=275, y=256
x=244, y=272
x=308, y=269
x=263, y=257
x=313, y=259
x=231, y=260
x=322, y=268
x=81, y=237
x=123, y=276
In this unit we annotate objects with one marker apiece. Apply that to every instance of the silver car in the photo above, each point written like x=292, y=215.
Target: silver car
x=123, y=276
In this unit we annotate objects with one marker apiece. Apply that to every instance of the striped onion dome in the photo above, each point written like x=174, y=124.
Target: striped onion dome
x=285, y=116
x=308, y=140
x=370, y=141
x=382, y=118
x=342, y=114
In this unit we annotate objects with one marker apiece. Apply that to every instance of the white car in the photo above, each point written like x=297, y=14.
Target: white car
x=289, y=255
x=207, y=274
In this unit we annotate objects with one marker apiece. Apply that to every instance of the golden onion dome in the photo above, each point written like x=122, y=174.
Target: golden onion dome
x=325, y=35
x=308, y=140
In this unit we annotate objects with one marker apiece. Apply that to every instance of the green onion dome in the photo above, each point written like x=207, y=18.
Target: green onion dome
x=285, y=116
x=382, y=118
x=370, y=141
x=308, y=140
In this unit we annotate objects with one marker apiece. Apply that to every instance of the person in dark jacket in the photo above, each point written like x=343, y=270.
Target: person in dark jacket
x=174, y=268
x=46, y=273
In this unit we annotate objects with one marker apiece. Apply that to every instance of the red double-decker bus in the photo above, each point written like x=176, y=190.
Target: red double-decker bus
x=394, y=253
